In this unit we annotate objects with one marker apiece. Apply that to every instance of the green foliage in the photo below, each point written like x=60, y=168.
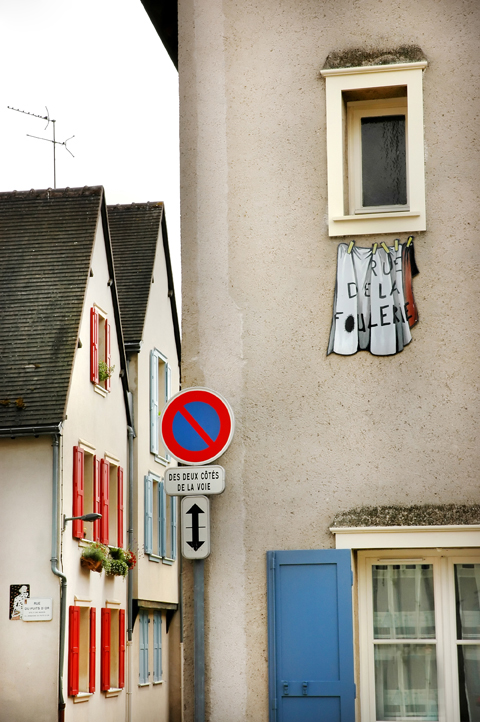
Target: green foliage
x=96, y=551
x=116, y=567
x=104, y=371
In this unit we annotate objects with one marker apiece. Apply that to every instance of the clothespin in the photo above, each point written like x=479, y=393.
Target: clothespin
x=350, y=246
x=396, y=243
x=374, y=249
x=410, y=240
x=385, y=247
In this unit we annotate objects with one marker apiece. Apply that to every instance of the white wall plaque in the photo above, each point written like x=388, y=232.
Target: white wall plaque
x=37, y=610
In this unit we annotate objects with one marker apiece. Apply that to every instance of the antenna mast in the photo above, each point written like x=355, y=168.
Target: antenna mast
x=54, y=142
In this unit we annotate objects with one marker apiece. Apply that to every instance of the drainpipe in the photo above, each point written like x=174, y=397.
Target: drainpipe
x=131, y=435
x=58, y=573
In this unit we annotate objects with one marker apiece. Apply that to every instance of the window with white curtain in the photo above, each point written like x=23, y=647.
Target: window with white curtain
x=419, y=634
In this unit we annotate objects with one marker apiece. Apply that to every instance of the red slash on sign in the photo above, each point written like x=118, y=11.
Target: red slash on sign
x=197, y=426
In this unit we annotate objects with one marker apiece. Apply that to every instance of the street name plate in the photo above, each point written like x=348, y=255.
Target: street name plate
x=181, y=481
x=37, y=610
x=195, y=518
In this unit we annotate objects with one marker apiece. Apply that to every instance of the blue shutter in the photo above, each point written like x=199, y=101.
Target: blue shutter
x=153, y=402
x=173, y=521
x=162, y=520
x=310, y=636
x=157, y=647
x=143, y=657
x=148, y=505
x=168, y=382
x=168, y=393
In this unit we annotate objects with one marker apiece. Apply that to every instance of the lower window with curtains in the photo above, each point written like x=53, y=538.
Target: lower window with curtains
x=419, y=635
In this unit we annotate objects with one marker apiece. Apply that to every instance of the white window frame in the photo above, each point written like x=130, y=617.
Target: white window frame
x=356, y=110
x=339, y=80
x=443, y=561
x=159, y=395
x=448, y=545
x=159, y=520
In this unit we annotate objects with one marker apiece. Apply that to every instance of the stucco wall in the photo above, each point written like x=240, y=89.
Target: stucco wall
x=315, y=435
x=152, y=581
x=29, y=658
x=101, y=422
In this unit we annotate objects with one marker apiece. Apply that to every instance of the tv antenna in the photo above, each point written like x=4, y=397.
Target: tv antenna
x=53, y=141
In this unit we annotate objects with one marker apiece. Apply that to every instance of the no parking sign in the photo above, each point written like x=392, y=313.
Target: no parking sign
x=197, y=426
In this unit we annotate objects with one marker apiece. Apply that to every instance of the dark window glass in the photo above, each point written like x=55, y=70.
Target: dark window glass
x=384, y=171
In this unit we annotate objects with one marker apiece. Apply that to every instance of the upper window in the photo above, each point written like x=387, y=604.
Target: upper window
x=377, y=156
x=420, y=635
x=375, y=152
x=160, y=523
x=98, y=487
x=101, y=368
x=160, y=392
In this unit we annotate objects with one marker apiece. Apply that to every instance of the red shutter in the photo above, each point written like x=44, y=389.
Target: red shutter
x=120, y=507
x=94, y=345
x=92, y=650
x=73, y=650
x=121, y=648
x=105, y=659
x=77, y=510
x=104, y=483
x=108, y=352
x=96, y=498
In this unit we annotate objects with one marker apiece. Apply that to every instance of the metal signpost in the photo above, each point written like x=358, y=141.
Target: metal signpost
x=197, y=427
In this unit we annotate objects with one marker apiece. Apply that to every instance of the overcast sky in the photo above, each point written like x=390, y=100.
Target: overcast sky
x=103, y=73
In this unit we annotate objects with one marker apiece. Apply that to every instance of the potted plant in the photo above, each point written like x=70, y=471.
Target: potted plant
x=130, y=558
x=117, y=565
x=94, y=557
x=104, y=371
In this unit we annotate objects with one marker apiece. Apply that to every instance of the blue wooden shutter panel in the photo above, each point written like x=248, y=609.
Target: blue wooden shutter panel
x=173, y=520
x=162, y=520
x=168, y=393
x=148, y=504
x=153, y=402
x=143, y=657
x=310, y=636
x=157, y=646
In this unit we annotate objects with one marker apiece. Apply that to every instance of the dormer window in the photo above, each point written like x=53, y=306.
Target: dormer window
x=100, y=350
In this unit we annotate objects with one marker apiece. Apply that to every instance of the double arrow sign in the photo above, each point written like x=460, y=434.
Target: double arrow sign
x=195, y=513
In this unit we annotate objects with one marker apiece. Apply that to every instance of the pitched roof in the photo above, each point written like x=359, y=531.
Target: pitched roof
x=46, y=243
x=135, y=230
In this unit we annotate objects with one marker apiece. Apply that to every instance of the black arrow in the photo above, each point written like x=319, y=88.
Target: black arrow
x=195, y=543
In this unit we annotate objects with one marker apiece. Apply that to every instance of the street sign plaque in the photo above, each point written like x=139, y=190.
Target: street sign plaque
x=195, y=514
x=197, y=426
x=181, y=481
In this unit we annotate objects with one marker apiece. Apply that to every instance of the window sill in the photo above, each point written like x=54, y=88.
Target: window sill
x=168, y=561
x=82, y=697
x=161, y=460
x=159, y=681
x=100, y=390
x=144, y=684
x=366, y=223
x=380, y=214
x=113, y=692
x=155, y=558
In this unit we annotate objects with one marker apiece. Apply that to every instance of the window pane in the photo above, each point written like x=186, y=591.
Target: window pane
x=406, y=682
x=467, y=590
x=384, y=169
x=403, y=605
x=469, y=682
